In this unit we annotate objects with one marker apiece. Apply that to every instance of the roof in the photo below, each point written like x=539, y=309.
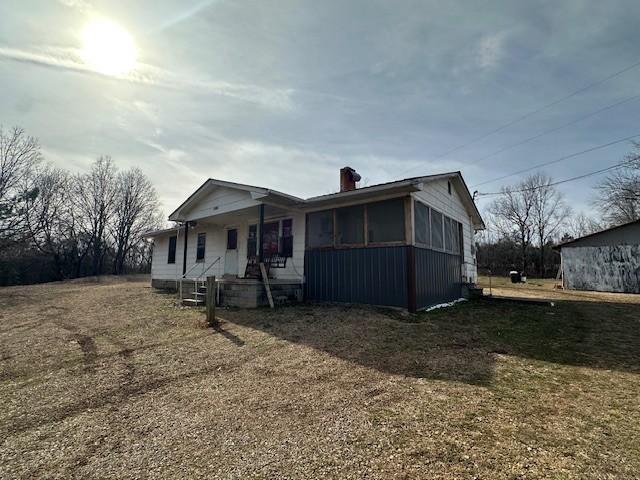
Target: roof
x=396, y=186
x=155, y=233
x=591, y=235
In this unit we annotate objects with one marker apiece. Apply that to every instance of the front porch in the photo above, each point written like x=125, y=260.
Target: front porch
x=235, y=292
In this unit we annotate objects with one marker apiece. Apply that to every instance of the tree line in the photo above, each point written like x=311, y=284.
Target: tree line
x=56, y=225
x=527, y=219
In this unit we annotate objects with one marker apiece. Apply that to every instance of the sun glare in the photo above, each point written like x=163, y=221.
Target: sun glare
x=108, y=48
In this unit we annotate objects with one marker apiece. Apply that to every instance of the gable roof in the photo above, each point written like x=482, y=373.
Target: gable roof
x=595, y=234
x=258, y=192
x=404, y=185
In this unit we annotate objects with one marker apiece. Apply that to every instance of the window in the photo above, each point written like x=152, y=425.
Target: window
x=286, y=242
x=455, y=230
x=436, y=230
x=172, y=249
x=423, y=230
x=252, y=241
x=270, y=238
x=320, y=225
x=202, y=240
x=232, y=239
x=350, y=225
x=449, y=187
x=448, y=235
x=386, y=221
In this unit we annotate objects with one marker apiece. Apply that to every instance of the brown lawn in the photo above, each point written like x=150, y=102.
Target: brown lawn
x=112, y=380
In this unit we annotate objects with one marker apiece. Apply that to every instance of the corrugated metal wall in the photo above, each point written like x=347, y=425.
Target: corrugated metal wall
x=438, y=277
x=372, y=275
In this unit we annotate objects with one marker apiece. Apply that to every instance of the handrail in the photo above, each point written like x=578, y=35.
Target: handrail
x=208, y=268
x=199, y=277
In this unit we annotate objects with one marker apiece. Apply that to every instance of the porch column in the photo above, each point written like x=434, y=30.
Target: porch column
x=261, y=233
x=184, y=255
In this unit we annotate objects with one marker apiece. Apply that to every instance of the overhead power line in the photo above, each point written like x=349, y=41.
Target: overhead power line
x=555, y=129
x=560, y=159
x=533, y=112
x=553, y=184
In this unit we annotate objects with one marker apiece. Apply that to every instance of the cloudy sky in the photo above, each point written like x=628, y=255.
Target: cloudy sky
x=284, y=93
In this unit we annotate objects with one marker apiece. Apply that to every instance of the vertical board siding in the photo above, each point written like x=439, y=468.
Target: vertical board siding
x=375, y=276
x=438, y=277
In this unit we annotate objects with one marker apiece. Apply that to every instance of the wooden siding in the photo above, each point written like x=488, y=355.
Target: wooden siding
x=216, y=245
x=436, y=195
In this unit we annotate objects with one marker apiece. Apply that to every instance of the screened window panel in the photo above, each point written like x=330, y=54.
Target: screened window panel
x=448, y=237
x=200, y=247
x=172, y=249
x=286, y=242
x=350, y=225
x=252, y=241
x=232, y=239
x=455, y=229
x=421, y=213
x=320, y=229
x=437, y=240
x=270, y=238
x=386, y=221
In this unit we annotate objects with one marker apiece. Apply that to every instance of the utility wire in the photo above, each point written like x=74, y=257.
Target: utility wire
x=555, y=129
x=566, y=180
x=532, y=112
x=560, y=159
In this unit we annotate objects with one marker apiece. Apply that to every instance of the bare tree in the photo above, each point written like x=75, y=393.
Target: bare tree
x=580, y=225
x=19, y=155
x=549, y=212
x=619, y=193
x=136, y=212
x=513, y=216
x=48, y=216
x=94, y=196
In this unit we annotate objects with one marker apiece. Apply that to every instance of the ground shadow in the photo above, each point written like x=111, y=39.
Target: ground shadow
x=461, y=343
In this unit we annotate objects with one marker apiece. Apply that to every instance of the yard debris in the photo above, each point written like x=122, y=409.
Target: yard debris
x=445, y=305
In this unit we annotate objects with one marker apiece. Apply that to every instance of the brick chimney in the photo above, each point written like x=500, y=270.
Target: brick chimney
x=348, y=179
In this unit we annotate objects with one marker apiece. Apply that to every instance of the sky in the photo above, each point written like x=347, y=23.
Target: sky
x=282, y=94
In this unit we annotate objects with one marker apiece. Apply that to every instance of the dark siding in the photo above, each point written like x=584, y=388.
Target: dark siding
x=438, y=277
x=374, y=275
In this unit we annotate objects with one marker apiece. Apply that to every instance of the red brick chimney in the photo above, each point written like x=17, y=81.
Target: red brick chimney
x=348, y=179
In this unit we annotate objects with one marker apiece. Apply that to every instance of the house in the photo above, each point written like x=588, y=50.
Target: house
x=607, y=261
x=406, y=243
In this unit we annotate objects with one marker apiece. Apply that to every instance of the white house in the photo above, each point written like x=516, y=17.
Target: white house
x=407, y=243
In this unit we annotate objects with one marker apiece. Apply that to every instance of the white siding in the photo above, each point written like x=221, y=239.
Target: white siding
x=436, y=195
x=216, y=245
x=220, y=200
x=160, y=269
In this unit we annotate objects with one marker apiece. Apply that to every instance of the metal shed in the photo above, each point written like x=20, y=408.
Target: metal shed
x=606, y=261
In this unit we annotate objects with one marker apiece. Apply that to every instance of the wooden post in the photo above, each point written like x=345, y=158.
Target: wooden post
x=261, y=234
x=211, y=301
x=411, y=279
x=267, y=287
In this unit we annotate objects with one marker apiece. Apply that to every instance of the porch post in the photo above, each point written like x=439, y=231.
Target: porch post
x=184, y=255
x=261, y=234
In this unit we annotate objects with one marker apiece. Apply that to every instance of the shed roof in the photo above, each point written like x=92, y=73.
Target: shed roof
x=596, y=234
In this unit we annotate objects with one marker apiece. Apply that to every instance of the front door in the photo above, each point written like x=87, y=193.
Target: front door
x=231, y=255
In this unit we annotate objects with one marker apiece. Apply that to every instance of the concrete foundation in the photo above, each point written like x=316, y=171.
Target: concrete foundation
x=242, y=292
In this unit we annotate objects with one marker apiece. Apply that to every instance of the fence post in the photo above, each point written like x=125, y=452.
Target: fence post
x=211, y=301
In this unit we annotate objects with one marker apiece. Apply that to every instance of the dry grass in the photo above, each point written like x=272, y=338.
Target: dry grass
x=546, y=288
x=113, y=380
